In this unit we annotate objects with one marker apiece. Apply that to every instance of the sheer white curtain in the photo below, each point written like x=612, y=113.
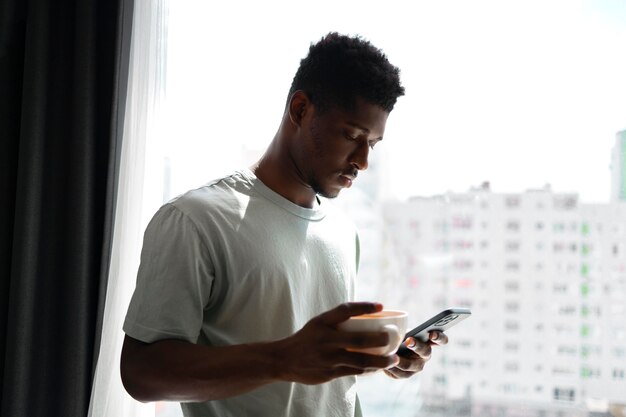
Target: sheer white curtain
x=145, y=91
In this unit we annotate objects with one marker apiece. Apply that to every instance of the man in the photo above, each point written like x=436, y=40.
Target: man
x=243, y=281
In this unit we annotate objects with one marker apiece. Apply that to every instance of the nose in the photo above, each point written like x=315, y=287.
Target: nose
x=359, y=157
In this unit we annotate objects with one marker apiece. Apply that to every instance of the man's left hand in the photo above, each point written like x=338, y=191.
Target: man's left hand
x=413, y=361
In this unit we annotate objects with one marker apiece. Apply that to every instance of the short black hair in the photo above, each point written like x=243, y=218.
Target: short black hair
x=339, y=69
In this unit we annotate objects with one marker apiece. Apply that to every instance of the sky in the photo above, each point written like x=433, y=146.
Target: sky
x=517, y=93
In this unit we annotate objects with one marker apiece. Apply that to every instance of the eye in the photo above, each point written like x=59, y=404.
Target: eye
x=373, y=143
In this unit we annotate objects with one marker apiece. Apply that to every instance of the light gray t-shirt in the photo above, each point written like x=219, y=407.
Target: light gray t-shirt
x=234, y=262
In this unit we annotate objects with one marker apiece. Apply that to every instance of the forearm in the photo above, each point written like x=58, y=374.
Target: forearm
x=173, y=370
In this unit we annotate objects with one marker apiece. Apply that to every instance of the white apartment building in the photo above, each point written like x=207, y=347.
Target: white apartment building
x=545, y=277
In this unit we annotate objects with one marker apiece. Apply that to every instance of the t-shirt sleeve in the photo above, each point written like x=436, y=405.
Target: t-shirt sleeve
x=173, y=282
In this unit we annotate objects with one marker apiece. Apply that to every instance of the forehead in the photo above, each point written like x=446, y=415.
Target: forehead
x=364, y=115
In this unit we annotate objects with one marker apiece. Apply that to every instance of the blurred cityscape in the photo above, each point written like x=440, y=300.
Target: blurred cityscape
x=543, y=273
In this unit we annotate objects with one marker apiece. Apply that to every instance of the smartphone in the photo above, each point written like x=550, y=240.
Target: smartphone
x=442, y=321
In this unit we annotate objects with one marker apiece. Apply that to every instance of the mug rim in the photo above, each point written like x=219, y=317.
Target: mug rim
x=396, y=313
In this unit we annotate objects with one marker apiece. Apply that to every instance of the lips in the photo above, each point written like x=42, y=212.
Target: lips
x=346, y=180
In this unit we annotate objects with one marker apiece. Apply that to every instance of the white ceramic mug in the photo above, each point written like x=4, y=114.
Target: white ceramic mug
x=393, y=322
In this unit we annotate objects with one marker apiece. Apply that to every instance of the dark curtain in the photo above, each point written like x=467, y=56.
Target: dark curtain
x=63, y=74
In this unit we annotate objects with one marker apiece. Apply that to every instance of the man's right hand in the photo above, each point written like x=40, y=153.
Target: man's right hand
x=319, y=351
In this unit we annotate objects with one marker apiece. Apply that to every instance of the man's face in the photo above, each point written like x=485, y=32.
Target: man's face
x=337, y=146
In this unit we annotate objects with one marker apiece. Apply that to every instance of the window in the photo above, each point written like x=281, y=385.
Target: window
x=512, y=246
x=486, y=237
x=513, y=225
x=511, y=367
x=512, y=266
x=511, y=306
x=562, y=371
x=567, y=350
x=564, y=394
x=512, y=202
x=464, y=223
x=511, y=346
x=511, y=325
x=567, y=310
x=565, y=202
x=587, y=372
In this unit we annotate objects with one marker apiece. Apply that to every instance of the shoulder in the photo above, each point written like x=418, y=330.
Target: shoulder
x=224, y=196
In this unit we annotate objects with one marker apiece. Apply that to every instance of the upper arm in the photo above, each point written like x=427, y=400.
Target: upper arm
x=174, y=280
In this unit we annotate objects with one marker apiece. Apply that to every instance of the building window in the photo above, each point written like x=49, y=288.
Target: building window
x=567, y=350
x=512, y=306
x=584, y=229
x=512, y=266
x=512, y=367
x=511, y=325
x=463, y=264
x=567, y=310
x=513, y=225
x=588, y=372
x=464, y=223
x=587, y=351
x=564, y=394
x=512, y=202
x=619, y=352
x=565, y=202
x=511, y=286
x=512, y=246
x=511, y=346
x=562, y=371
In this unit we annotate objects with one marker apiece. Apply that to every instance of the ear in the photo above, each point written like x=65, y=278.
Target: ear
x=299, y=106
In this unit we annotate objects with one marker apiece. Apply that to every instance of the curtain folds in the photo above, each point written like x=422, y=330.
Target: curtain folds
x=62, y=88
x=146, y=87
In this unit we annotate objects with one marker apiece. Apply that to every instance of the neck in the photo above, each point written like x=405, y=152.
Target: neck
x=279, y=172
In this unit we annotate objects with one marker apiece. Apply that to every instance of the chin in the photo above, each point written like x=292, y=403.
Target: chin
x=328, y=193
x=326, y=190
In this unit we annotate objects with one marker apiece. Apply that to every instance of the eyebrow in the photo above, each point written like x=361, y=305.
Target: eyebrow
x=364, y=129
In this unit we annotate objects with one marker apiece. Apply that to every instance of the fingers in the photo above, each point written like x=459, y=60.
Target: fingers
x=344, y=311
x=422, y=349
x=438, y=338
x=364, y=361
x=411, y=362
x=358, y=340
x=397, y=373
